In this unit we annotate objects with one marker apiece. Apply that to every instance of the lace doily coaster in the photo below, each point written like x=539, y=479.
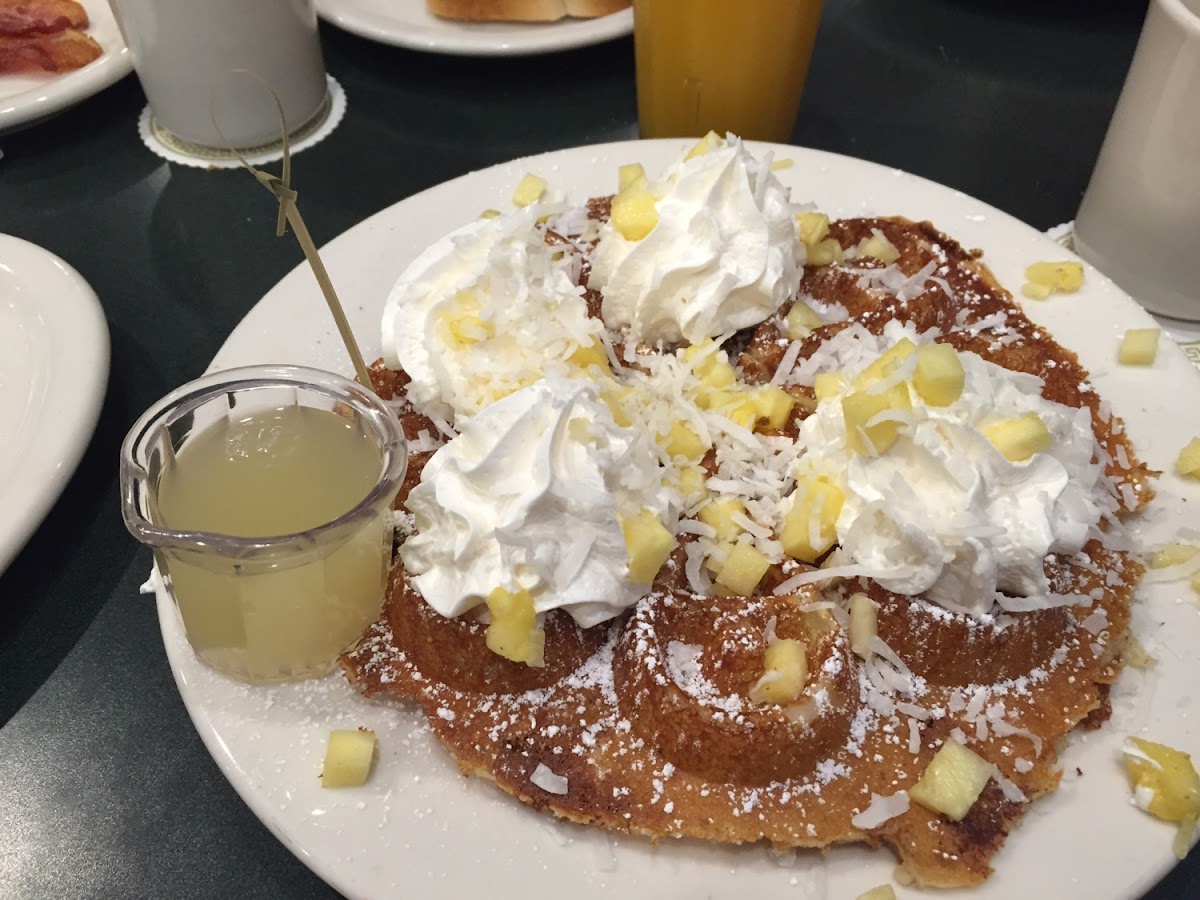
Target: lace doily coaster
x=175, y=149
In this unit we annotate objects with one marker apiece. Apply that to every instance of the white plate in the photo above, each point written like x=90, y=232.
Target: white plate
x=408, y=23
x=53, y=372
x=25, y=99
x=420, y=829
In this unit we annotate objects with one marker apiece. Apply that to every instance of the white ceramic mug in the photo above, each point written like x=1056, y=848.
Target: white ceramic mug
x=184, y=52
x=1140, y=218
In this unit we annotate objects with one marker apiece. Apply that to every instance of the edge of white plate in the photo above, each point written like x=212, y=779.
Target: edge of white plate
x=74, y=322
x=53, y=94
x=474, y=38
x=1146, y=843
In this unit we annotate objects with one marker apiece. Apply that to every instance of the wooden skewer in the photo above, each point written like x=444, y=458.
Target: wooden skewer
x=289, y=213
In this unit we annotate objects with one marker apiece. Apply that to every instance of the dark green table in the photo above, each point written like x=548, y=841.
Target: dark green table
x=105, y=788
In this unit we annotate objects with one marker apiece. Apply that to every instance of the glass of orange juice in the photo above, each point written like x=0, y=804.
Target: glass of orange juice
x=266, y=494
x=722, y=65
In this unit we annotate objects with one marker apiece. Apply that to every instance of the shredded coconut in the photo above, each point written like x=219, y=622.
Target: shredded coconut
x=549, y=782
x=881, y=809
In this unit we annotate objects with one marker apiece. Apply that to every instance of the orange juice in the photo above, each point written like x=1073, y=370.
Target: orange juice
x=722, y=65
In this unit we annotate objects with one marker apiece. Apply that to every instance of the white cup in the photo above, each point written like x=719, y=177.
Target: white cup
x=1139, y=222
x=184, y=52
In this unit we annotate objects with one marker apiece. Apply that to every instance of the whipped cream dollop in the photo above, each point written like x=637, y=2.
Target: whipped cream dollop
x=722, y=256
x=530, y=495
x=478, y=314
x=943, y=512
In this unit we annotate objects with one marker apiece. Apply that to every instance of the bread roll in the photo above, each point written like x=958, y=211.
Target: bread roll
x=523, y=10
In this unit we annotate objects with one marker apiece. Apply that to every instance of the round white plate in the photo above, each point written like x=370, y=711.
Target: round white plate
x=53, y=372
x=420, y=829
x=25, y=99
x=408, y=23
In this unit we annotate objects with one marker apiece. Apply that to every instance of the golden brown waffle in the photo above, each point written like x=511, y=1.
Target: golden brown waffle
x=647, y=717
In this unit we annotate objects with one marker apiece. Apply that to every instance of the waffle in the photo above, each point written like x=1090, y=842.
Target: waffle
x=646, y=716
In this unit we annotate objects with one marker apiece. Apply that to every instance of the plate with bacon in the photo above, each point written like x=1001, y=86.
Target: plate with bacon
x=55, y=53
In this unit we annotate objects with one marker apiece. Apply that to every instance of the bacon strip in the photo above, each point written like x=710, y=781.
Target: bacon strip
x=19, y=18
x=44, y=36
x=61, y=52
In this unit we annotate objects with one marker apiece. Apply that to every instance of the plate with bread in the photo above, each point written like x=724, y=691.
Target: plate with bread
x=482, y=27
x=55, y=53
x=759, y=709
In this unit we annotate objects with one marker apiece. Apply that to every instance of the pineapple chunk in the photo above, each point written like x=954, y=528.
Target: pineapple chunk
x=780, y=164
x=1164, y=779
x=881, y=892
x=710, y=364
x=462, y=319
x=801, y=320
x=898, y=396
x=952, y=781
x=630, y=175
x=710, y=141
x=713, y=398
x=772, y=404
x=699, y=354
x=489, y=214
x=887, y=363
x=864, y=614
x=1165, y=784
x=348, y=758
x=828, y=384
x=743, y=569
x=718, y=374
x=648, y=544
x=861, y=407
x=1020, y=437
x=812, y=227
x=825, y=253
x=513, y=632
x=634, y=214
x=592, y=355
x=582, y=431
x=529, y=190
x=1139, y=347
x=682, y=440
x=739, y=406
x=615, y=396
x=690, y=482
x=1188, y=463
x=468, y=328
x=742, y=411
x=719, y=516
x=1171, y=555
x=1061, y=277
x=939, y=375
x=878, y=247
x=786, y=673
x=1036, y=291
x=814, y=503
